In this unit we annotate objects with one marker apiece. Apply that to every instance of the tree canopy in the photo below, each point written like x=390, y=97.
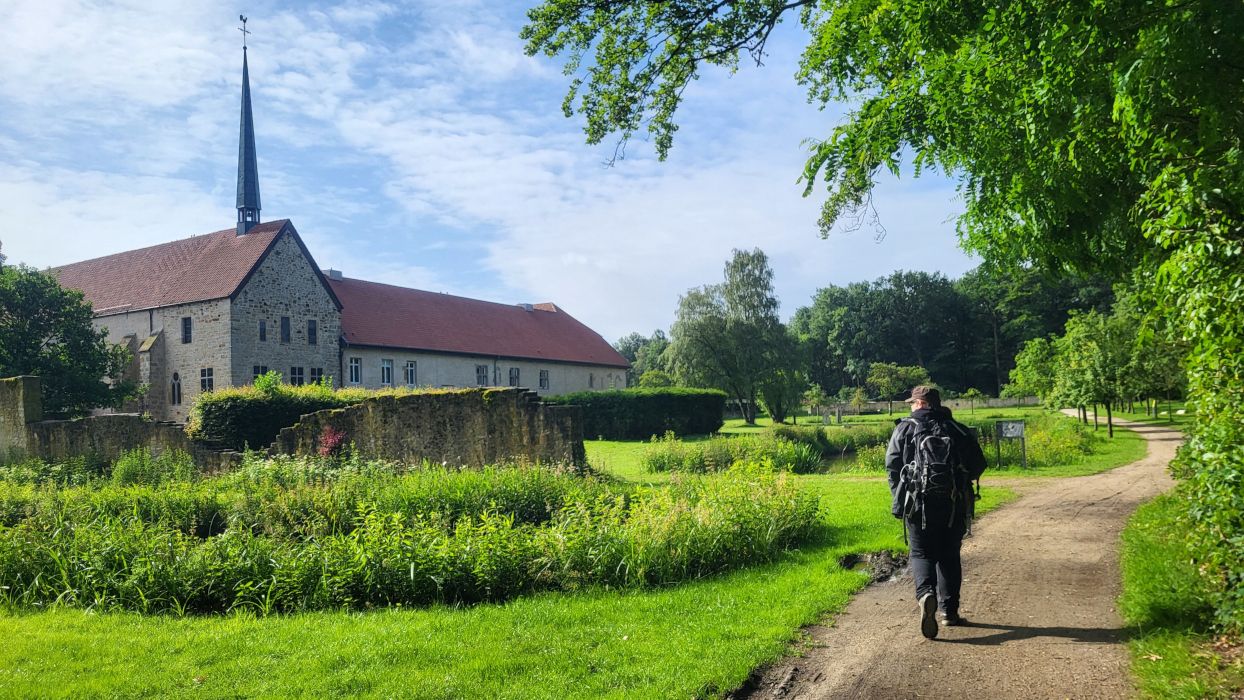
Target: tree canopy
x=46, y=330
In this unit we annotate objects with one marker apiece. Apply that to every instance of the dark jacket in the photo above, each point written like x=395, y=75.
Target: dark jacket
x=902, y=448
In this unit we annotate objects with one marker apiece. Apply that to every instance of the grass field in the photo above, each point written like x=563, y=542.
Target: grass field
x=699, y=639
x=1164, y=604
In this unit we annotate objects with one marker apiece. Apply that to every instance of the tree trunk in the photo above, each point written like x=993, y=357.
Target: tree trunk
x=1095, y=425
x=1109, y=421
x=997, y=356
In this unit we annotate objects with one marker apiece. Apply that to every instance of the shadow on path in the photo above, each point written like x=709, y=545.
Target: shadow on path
x=1011, y=633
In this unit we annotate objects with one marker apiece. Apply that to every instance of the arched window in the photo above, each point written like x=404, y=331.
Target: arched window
x=175, y=393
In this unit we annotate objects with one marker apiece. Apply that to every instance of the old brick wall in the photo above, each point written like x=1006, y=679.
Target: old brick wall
x=471, y=427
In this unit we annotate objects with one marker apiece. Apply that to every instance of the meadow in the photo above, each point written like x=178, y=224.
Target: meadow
x=699, y=633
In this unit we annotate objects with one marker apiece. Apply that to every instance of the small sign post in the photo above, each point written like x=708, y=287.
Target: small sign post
x=1010, y=430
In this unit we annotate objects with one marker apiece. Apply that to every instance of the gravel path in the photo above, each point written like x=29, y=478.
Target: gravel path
x=1041, y=576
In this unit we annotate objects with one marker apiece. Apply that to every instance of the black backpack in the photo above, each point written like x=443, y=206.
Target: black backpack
x=936, y=479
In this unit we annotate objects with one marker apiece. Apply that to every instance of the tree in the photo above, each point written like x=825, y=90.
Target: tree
x=727, y=336
x=642, y=352
x=655, y=378
x=1034, y=370
x=46, y=330
x=781, y=389
x=1099, y=136
x=890, y=380
x=973, y=395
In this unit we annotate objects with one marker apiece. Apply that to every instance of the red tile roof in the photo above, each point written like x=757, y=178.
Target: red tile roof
x=211, y=266
x=383, y=315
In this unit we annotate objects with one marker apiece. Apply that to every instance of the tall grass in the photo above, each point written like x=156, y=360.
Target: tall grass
x=294, y=535
x=718, y=453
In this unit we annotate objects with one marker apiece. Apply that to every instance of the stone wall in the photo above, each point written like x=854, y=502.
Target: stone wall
x=21, y=402
x=106, y=437
x=472, y=427
x=23, y=433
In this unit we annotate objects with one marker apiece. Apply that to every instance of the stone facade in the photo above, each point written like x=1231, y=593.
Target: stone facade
x=284, y=285
x=469, y=428
x=450, y=370
x=224, y=335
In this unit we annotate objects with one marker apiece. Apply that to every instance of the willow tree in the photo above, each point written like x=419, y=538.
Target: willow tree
x=1103, y=135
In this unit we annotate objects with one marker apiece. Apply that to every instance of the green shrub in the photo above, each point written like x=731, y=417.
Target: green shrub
x=718, y=453
x=139, y=467
x=834, y=442
x=75, y=471
x=639, y=413
x=251, y=416
x=867, y=460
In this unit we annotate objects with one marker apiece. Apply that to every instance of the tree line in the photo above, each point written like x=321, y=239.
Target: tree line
x=859, y=341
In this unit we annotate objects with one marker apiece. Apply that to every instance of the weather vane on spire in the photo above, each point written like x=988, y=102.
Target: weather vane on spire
x=243, y=30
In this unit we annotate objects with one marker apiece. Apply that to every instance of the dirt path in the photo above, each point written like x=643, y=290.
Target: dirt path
x=1041, y=576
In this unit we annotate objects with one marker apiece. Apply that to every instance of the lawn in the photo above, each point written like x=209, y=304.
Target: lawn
x=1165, y=606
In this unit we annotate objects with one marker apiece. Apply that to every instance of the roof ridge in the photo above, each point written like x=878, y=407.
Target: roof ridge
x=233, y=230
x=517, y=305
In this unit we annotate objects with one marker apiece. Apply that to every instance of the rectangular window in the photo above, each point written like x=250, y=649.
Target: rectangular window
x=591, y=380
x=263, y=331
x=187, y=326
x=317, y=375
x=206, y=381
x=296, y=377
x=412, y=373
x=258, y=371
x=513, y=376
x=312, y=333
x=386, y=372
x=544, y=379
x=285, y=329
x=481, y=375
x=356, y=370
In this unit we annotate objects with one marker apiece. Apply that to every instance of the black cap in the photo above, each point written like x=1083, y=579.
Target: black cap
x=926, y=393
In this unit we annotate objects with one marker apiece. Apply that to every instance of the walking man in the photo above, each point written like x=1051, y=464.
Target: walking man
x=931, y=461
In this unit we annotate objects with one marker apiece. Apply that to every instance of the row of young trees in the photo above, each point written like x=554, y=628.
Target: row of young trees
x=1103, y=359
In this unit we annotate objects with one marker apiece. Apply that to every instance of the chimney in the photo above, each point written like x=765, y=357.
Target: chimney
x=333, y=274
x=527, y=307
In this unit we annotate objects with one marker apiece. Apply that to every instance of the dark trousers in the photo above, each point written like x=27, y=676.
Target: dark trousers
x=935, y=560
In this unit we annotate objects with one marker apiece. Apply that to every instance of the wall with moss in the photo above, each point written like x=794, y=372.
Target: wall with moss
x=470, y=427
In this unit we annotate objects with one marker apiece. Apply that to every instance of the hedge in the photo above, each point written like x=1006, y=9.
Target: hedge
x=249, y=416
x=642, y=412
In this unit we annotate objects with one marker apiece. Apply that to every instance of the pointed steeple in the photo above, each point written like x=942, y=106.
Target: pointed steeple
x=248, y=169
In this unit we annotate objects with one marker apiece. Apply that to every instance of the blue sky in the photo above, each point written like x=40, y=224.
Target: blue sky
x=414, y=143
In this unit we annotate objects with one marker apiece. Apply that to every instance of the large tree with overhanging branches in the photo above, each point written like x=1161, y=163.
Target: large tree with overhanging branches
x=1102, y=135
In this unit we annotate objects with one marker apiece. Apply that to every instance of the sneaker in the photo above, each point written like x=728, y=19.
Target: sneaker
x=928, y=613
x=949, y=619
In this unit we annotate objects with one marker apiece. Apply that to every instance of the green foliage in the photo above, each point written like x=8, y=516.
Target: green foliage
x=296, y=535
x=834, y=442
x=251, y=416
x=46, y=330
x=655, y=379
x=138, y=467
x=890, y=380
x=728, y=336
x=719, y=453
x=640, y=413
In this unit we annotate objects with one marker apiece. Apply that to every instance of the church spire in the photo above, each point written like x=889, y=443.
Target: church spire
x=248, y=169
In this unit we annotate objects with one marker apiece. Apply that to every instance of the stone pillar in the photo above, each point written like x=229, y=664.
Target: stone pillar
x=21, y=402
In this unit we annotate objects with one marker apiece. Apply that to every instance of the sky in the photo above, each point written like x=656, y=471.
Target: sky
x=415, y=144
